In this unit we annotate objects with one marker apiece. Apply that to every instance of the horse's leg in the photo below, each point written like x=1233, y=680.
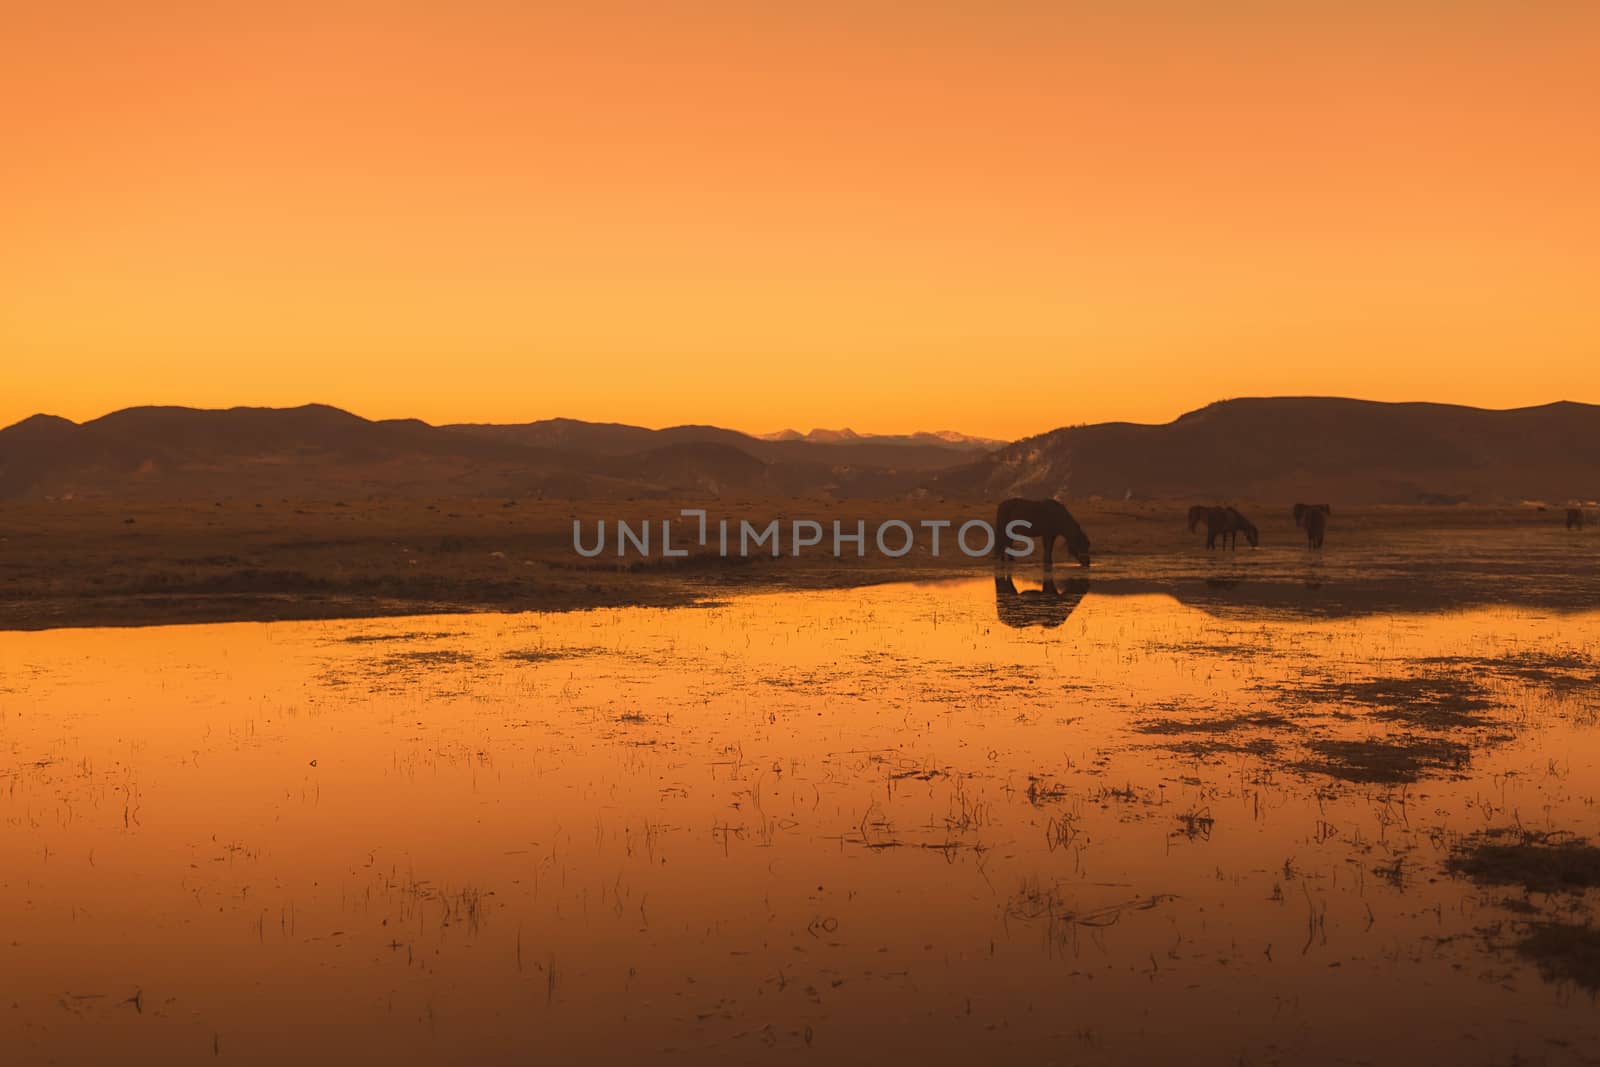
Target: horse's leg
x=1001, y=541
x=1049, y=551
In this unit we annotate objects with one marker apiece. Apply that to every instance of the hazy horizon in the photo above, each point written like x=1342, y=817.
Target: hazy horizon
x=802, y=426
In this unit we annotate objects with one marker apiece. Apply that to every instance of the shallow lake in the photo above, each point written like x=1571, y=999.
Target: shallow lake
x=954, y=822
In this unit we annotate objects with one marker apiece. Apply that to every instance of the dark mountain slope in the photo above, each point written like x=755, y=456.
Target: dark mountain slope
x=1308, y=447
x=320, y=451
x=1284, y=448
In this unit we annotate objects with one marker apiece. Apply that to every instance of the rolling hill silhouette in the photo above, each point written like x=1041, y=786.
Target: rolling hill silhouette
x=912, y=452
x=849, y=436
x=1322, y=448
x=1282, y=448
x=321, y=451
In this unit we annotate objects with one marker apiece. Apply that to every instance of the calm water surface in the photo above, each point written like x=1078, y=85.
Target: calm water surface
x=801, y=827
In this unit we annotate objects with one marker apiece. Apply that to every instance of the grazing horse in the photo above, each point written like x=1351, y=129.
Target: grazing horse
x=1044, y=519
x=1301, y=509
x=1316, y=524
x=1574, y=518
x=1237, y=524
x=1313, y=519
x=1047, y=607
x=1228, y=524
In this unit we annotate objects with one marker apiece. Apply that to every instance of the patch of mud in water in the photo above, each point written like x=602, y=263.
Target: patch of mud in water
x=545, y=655
x=1566, y=672
x=1404, y=759
x=408, y=636
x=1436, y=701
x=1564, y=952
x=1534, y=861
x=1203, y=737
x=1552, y=924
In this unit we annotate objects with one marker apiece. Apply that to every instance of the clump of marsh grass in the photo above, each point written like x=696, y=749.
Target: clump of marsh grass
x=1533, y=863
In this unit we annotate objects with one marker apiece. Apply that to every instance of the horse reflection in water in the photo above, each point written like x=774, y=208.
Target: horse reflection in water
x=1047, y=607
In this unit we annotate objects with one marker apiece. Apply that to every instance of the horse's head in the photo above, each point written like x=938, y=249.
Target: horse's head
x=1079, y=547
x=1252, y=535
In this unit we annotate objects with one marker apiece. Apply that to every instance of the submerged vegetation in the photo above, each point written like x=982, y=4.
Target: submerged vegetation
x=1564, y=952
x=1403, y=759
x=778, y=825
x=1537, y=864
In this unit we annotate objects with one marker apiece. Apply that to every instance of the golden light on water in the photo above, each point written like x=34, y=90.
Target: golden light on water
x=777, y=826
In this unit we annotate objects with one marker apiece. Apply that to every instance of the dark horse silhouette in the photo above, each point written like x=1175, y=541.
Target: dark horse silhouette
x=1047, y=607
x=1316, y=526
x=1046, y=520
x=1574, y=518
x=1313, y=518
x=1226, y=523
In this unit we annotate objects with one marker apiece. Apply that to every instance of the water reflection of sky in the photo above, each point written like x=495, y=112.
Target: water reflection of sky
x=851, y=823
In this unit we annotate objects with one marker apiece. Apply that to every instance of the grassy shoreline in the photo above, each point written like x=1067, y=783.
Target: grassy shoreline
x=109, y=563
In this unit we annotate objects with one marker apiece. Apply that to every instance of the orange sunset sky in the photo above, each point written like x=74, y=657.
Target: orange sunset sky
x=993, y=217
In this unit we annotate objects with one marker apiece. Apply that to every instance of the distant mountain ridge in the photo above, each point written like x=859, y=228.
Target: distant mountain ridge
x=1307, y=448
x=318, y=450
x=1271, y=448
x=898, y=452
x=934, y=437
